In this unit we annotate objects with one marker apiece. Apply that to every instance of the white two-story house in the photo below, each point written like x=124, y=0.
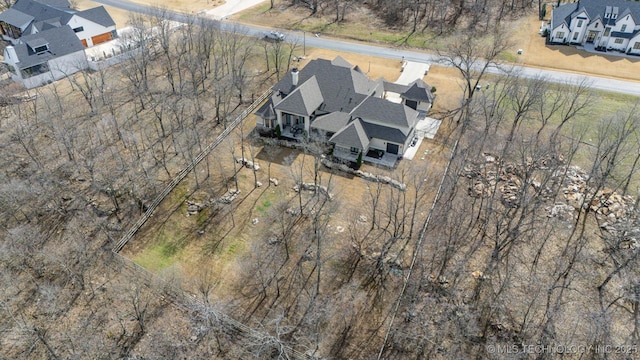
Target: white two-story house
x=608, y=24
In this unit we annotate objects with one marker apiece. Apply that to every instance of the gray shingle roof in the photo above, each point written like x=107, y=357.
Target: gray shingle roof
x=624, y=35
x=332, y=122
x=62, y=41
x=98, y=15
x=42, y=12
x=418, y=90
x=266, y=111
x=342, y=87
x=384, y=111
x=304, y=100
x=562, y=14
x=384, y=133
x=395, y=88
x=16, y=18
x=596, y=8
x=353, y=135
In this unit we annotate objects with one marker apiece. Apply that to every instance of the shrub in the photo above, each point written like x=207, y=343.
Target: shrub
x=278, y=131
x=433, y=89
x=359, y=161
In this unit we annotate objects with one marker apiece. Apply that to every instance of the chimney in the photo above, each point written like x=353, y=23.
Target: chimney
x=11, y=53
x=294, y=77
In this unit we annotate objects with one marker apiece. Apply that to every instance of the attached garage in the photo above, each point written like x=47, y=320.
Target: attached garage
x=84, y=42
x=99, y=39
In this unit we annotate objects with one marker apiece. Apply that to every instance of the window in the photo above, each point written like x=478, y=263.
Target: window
x=579, y=23
x=636, y=46
x=607, y=31
x=619, y=41
x=560, y=34
x=575, y=36
x=624, y=28
x=78, y=29
x=40, y=49
x=300, y=120
x=355, y=150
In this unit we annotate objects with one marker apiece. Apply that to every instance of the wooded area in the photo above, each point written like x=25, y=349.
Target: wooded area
x=528, y=235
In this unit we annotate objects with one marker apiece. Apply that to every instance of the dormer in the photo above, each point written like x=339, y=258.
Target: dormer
x=614, y=14
x=38, y=45
x=607, y=12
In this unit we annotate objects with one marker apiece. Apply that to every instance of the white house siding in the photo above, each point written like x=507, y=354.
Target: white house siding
x=632, y=45
x=376, y=143
x=578, y=33
x=423, y=106
x=594, y=26
x=91, y=29
x=611, y=44
x=555, y=37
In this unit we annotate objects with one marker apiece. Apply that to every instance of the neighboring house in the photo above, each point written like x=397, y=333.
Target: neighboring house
x=336, y=103
x=46, y=56
x=48, y=38
x=607, y=24
x=28, y=17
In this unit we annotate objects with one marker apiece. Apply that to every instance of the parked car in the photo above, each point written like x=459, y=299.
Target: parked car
x=274, y=36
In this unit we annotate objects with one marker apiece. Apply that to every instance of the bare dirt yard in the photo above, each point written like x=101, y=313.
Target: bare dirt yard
x=176, y=245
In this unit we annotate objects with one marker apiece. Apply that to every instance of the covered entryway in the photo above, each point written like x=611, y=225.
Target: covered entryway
x=392, y=148
x=99, y=39
x=591, y=37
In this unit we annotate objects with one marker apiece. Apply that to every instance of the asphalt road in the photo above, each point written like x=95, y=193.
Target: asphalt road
x=309, y=39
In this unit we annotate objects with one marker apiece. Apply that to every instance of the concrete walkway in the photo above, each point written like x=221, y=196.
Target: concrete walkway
x=412, y=71
x=231, y=7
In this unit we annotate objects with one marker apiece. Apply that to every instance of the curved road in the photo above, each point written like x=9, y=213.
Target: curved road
x=309, y=39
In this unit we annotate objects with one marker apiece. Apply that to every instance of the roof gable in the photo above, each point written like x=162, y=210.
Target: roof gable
x=342, y=87
x=16, y=18
x=98, y=15
x=386, y=112
x=353, y=135
x=304, y=100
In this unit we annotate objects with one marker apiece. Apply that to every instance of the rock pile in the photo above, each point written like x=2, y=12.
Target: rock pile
x=491, y=174
x=194, y=207
x=248, y=163
x=365, y=175
x=315, y=188
x=229, y=196
x=274, y=181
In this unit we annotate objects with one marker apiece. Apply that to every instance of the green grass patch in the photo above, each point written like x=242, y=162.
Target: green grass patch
x=159, y=256
x=264, y=206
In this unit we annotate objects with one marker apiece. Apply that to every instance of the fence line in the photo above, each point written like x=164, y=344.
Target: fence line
x=182, y=300
x=176, y=295
x=184, y=172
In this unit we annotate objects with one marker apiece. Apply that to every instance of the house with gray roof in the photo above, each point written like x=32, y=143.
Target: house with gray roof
x=336, y=103
x=48, y=38
x=607, y=24
x=44, y=57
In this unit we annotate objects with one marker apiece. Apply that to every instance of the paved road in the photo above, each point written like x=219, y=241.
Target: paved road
x=309, y=39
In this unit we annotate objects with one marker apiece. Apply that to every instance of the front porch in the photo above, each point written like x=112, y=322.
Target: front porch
x=294, y=132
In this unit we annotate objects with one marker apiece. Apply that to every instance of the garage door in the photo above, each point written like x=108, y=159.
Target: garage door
x=392, y=148
x=84, y=42
x=98, y=39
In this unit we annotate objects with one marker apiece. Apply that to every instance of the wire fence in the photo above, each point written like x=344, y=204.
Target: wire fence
x=184, y=172
x=176, y=295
